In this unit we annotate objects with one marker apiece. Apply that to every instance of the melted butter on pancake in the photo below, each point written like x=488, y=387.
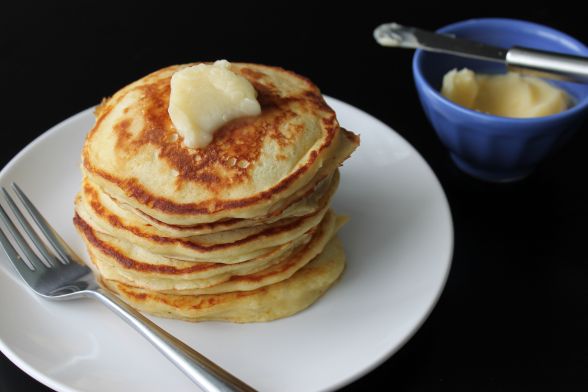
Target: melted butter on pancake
x=203, y=97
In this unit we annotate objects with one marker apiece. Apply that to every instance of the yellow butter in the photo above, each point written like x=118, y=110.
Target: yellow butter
x=508, y=95
x=204, y=97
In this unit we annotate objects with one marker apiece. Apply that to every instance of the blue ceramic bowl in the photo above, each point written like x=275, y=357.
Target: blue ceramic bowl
x=490, y=147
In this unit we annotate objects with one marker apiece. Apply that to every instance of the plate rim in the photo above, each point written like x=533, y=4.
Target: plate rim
x=384, y=356
x=425, y=316
x=8, y=353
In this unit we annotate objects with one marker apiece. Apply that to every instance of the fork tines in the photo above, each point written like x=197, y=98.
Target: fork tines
x=44, y=257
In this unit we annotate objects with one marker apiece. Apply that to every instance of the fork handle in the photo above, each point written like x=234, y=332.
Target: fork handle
x=202, y=371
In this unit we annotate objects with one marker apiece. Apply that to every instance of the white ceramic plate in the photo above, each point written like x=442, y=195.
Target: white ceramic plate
x=399, y=244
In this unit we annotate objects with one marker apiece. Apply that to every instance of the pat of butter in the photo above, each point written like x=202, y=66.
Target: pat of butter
x=203, y=97
x=508, y=95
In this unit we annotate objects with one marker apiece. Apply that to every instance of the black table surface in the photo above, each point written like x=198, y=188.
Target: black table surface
x=514, y=312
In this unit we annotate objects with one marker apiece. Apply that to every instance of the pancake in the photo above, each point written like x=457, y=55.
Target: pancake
x=306, y=205
x=305, y=201
x=263, y=304
x=134, y=153
x=224, y=247
x=121, y=261
x=119, y=257
x=111, y=212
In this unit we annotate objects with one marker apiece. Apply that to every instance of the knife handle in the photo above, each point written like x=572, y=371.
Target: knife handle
x=548, y=64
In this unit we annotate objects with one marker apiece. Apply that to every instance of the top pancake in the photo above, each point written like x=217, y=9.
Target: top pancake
x=135, y=154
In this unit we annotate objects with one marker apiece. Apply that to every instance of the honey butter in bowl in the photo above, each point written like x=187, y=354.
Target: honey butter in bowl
x=207, y=189
x=506, y=95
x=499, y=126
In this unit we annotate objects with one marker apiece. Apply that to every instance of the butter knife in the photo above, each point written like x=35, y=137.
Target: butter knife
x=528, y=61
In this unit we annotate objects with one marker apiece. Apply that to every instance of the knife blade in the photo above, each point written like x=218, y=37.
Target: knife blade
x=395, y=35
x=526, y=61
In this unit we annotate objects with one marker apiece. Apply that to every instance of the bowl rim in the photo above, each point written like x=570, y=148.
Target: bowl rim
x=417, y=64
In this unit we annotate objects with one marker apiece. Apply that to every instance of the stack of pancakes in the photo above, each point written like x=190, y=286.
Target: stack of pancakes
x=240, y=230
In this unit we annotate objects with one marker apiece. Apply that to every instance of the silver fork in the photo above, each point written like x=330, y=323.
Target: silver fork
x=61, y=275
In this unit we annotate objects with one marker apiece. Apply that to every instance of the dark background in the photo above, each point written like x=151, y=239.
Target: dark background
x=514, y=313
